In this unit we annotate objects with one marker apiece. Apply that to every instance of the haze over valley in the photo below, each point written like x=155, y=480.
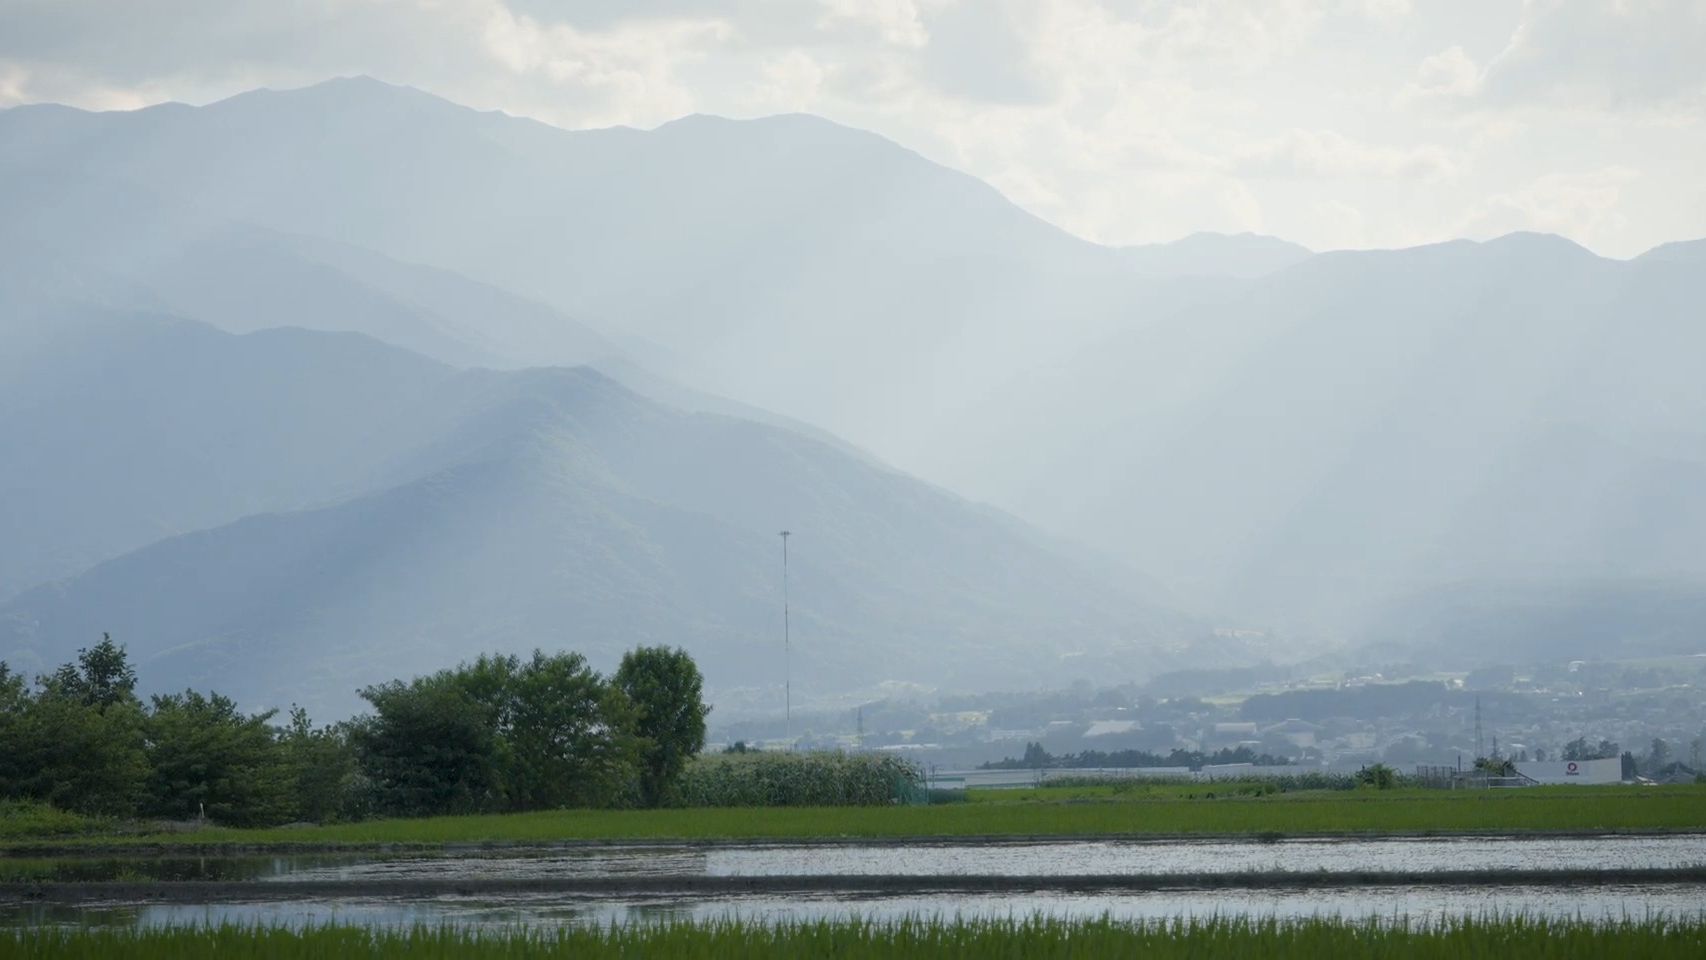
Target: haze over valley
x=302, y=389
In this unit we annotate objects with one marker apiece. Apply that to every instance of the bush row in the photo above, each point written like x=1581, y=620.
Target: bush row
x=798, y=780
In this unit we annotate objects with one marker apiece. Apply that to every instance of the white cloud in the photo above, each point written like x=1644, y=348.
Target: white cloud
x=1571, y=204
x=1449, y=73
x=896, y=21
x=1326, y=153
x=1604, y=53
x=13, y=90
x=792, y=82
x=632, y=69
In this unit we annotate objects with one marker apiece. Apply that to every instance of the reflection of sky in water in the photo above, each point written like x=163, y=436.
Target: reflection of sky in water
x=1395, y=904
x=1149, y=857
x=1010, y=859
x=1007, y=859
x=1052, y=859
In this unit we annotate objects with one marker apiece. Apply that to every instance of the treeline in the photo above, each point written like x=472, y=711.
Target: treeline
x=1037, y=758
x=500, y=734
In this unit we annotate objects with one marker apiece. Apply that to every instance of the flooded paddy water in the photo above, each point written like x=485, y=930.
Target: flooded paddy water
x=1595, y=877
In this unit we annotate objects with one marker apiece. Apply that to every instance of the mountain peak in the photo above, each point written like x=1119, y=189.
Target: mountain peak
x=1678, y=251
x=1529, y=241
x=359, y=91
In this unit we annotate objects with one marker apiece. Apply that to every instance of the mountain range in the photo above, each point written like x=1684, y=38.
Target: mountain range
x=307, y=389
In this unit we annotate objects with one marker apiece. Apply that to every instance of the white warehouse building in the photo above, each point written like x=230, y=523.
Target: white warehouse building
x=1609, y=770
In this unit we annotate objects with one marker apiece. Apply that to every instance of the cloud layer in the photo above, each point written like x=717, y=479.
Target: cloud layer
x=1332, y=122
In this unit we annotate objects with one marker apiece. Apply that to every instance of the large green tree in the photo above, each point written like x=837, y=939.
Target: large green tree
x=500, y=733
x=76, y=742
x=327, y=783
x=570, y=736
x=429, y=747
x=206, y=758
x=667, y=693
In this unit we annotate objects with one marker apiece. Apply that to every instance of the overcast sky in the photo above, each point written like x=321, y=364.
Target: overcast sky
x=1336, y=123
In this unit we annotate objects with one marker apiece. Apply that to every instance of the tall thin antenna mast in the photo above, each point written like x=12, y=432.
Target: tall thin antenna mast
x=1478, y=751
x=787, y=653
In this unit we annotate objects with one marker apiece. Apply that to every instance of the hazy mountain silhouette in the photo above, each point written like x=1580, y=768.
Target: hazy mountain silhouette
x=1283, y=437
x=787, y=262
x=1362, y=425
x=306, y=512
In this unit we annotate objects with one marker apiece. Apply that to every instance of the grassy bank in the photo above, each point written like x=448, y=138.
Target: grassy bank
x=1505, y=939
x=1080, y=811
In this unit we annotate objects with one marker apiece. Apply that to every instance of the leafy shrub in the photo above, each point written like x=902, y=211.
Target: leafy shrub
x=28, y=819
x=797, y=780
x=1378, y=776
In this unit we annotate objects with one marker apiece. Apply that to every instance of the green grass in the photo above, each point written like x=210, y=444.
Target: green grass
x=1035, y=939
x=28, y=820
x=1104, y=789
x=1073, y=811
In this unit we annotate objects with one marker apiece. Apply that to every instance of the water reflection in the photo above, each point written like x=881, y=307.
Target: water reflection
x=1041, y=859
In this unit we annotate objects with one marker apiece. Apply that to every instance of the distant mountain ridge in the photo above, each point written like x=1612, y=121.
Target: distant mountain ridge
x=1364, y=425
x=343, y=512
x=1328, y=442
x=788, y=263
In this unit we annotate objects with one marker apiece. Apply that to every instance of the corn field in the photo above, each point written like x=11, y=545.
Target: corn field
x=799, y=780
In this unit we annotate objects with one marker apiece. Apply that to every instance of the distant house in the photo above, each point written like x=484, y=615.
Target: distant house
x=1108, y=728
x=1299, y=733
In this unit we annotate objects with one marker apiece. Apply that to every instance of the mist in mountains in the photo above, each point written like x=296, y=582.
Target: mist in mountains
x=307, y=389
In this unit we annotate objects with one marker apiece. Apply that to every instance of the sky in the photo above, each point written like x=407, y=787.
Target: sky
x=1334, y=123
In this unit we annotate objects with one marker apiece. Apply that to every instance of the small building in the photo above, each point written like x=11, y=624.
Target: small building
x=1298, y=733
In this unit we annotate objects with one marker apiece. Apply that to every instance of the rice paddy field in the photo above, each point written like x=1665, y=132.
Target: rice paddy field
x=1108, y=811
x=1514, y=938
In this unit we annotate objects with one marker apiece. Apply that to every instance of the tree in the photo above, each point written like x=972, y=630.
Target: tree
x=1378, y=776
x=207, y=758
x=429, y=748
x=667, y=694
x=570, y=736
x=1496, y=766
x=77, y=757
x=1658, y=754
x=1580, y=749
x=500, y=733
x=1035, y=756
x=14, y=699
x=326, y=781
x=102, y=676
x=77, y=742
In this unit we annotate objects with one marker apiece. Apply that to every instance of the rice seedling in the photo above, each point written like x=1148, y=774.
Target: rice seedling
x=1037, y=938
x=1040, y=813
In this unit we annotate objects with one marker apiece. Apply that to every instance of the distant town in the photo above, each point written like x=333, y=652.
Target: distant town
x=1652, y=710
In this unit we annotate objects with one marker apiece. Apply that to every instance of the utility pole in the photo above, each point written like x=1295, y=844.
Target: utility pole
x=787, y=653
x=1479, y=753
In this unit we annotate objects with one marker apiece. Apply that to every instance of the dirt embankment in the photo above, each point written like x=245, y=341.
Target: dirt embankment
x=701, y=886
